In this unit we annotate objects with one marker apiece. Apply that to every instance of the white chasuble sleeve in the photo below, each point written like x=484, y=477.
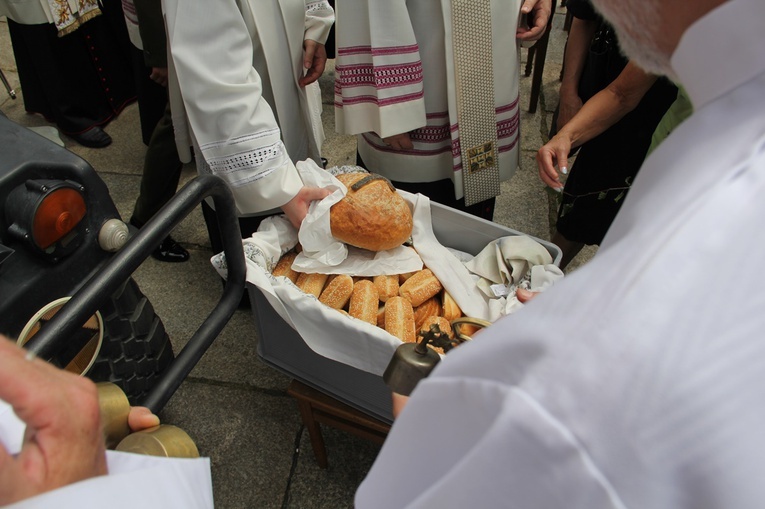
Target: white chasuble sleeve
x=379, y=80
x=234, y=127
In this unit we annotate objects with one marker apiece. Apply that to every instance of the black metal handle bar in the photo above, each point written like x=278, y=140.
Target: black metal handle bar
x=86, y=301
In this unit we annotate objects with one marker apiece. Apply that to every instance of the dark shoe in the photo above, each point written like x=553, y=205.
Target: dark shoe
x=170, y=251
x=95, y=137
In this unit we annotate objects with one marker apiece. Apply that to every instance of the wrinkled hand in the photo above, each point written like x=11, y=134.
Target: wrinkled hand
x=297, y=208
x=159, y=75
x=538, y=12
x=63, y=443
x=314, y=60
x=554, y=153
x=399, y=141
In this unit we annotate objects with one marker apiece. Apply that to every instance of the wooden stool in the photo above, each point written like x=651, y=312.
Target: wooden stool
x=317, y=407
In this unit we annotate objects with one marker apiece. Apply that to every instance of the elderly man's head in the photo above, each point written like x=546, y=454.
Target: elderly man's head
x=649, y=30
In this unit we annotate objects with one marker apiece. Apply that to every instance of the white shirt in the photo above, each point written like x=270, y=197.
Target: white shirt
x=638, y=380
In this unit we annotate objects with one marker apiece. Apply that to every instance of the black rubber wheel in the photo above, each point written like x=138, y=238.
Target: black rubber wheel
x=136, y=349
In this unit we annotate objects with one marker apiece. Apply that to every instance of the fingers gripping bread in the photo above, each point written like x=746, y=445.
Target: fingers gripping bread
x=371, y=215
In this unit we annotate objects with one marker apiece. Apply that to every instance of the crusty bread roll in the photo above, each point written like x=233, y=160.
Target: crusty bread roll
x=381, y=316
x=364, y=301
x=337, y=292
x=284, y=266
x=449, y=308
x=371, y=215
x=431, y=307
x=420, y=287
x=311, y=283
x=387, y=286
x=442, y=323
x=406, y=275
x=399, y=319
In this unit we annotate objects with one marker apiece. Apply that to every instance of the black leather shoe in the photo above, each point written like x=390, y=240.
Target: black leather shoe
x=95, y=137
x=170, y=251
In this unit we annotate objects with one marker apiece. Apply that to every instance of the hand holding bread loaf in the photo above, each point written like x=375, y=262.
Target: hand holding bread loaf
x=371, y=215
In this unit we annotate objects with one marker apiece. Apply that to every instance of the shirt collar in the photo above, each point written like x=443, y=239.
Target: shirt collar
x=722, y=50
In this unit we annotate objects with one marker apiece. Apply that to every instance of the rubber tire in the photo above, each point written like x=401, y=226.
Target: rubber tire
x=136, y=350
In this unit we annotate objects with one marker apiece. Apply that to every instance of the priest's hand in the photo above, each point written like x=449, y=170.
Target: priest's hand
x=63, y=442
x=399, y=142
x=314, y=60
x=538, y=14
x=297, y=208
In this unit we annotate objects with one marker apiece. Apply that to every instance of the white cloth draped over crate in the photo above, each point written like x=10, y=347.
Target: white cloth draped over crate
x=395, y=74
x=346, y=339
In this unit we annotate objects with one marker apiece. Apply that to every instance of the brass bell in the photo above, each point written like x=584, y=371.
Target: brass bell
x=115, y=408
x=410, y=363
x=163, y=440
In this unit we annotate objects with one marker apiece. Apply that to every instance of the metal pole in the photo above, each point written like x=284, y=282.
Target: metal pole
x=87, y=300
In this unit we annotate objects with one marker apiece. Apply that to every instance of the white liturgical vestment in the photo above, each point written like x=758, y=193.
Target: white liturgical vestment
x=395, y=73
x=638, y=381
x=234, y=70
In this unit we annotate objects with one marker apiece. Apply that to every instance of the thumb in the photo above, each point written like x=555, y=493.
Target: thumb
x=141, y=418
x=316, y=193
x=562, y=159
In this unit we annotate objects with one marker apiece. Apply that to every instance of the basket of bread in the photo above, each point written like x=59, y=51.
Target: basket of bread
x=372, y=266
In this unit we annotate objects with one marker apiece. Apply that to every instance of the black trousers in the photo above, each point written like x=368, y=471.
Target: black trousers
x=161, y=171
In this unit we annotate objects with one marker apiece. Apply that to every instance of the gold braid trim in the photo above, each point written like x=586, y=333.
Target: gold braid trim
x=67, y=20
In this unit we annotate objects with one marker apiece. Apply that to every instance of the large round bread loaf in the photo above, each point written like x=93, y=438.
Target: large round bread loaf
x=372, y=215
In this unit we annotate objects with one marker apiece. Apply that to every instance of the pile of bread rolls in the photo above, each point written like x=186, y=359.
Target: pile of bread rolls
x=403, y=304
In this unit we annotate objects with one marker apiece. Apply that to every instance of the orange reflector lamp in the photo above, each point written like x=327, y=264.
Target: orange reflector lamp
x=57, y=215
